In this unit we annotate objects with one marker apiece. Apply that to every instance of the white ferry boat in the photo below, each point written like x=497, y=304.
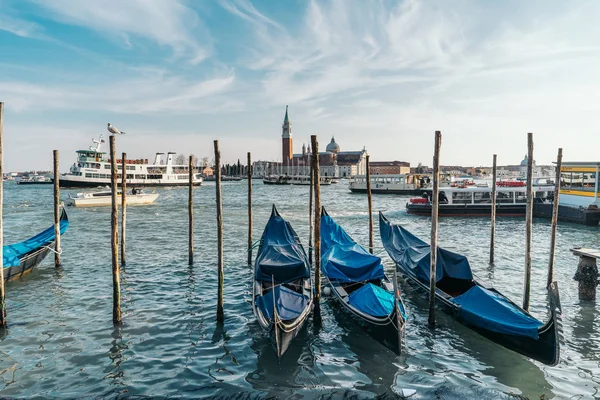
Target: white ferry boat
x=104, y=198
x=403, y=184
x=92, y=169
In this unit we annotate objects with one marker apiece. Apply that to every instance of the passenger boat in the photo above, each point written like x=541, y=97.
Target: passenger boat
x=92, y=169
x=104, y=198
x=282, y=293
x=34, y=180
x=468, y=201
x=21, y=258
x=358, y=281
x=304, y=180
x=277, y=180
x=403, y=184
x=484, y=310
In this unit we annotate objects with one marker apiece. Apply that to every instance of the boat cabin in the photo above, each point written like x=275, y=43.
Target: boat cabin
x=579, y=183
x=481, y=195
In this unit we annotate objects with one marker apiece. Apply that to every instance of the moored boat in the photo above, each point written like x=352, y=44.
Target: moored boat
x=282, y=295
x=92, y=169
x=104, y=198
x=484, y=310
x=402, y=184
x=21, y=258
x=358, y=281
x=34, y=180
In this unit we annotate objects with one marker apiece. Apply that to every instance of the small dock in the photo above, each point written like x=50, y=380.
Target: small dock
x=587, y=272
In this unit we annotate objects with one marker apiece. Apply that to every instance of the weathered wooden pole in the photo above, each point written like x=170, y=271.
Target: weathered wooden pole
x=317, y=225
x=191, y=211
x=249, y=208
x=528, y=222
x=56, y=210
x=370, y=201
x=397, y=309
x=114, y=229
x=221, y=277
x=493, y=212
x=123, y=206
x=554, y=218
x=310, y=213
x=2, y=294
x=434, y=226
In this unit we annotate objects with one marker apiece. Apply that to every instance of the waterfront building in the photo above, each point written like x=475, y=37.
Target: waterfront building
x=389, y=167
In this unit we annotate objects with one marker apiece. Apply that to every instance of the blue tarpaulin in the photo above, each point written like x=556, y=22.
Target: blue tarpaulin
x=490, y=310
x=342, y=259
x=372, y=300
x=280, y=256
x=413, y=254
x=289, y=303
x=12, y=253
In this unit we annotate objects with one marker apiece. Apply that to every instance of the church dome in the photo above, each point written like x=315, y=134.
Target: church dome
x=333, y=147
x=524, y=162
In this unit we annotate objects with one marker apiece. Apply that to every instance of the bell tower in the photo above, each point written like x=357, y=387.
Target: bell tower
x=286, y=140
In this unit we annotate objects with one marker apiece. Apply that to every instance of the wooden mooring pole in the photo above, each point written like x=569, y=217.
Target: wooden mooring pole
x=555, y=204
x=56, y=210
x=123, y=206
x=114, y=229
x=310, y=214
x=528, y=222
x=2, y=297
x=249, y=208
x=370, y=201
x=317, y=225
x=191, y=211
x=220, y=273
x=434, y=226
x=493, y=212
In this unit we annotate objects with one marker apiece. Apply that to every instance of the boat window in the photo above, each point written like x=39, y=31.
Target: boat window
x=482, y=197
x=462, y=197
x=504, y=197
x=140, y=177
x=106, y=166
x=520, y=197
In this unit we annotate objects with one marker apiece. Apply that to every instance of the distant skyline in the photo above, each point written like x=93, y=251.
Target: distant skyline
x=177, y=74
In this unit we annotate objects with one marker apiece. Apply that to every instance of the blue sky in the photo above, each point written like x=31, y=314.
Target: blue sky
x=384, y=75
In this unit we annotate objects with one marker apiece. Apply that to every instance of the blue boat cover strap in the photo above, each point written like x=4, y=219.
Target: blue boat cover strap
x=280, y=256
x=12, y=253
x=372, y=300
x=290, y=304
x=413, y=254
x=490, y=310
x=344, y=260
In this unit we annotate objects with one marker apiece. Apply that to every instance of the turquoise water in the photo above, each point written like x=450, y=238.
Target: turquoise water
x=61, y=341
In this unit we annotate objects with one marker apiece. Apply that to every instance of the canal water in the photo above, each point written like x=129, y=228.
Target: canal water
x=61, y=341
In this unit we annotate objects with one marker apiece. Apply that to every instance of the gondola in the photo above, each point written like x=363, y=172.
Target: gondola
x=21, y=258
x=482, y=309
x=358, y=281
x=282, y=293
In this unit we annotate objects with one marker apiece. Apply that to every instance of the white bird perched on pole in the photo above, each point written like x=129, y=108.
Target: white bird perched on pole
x=114, y=130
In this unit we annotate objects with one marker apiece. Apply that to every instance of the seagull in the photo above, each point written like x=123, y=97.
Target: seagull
x=114, y=130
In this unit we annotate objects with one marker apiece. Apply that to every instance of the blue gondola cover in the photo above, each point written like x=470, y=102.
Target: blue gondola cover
x=289, y=303
x=280, y=256
x=414, y=254
x=12, y=253
x=372, y=300
x=485, y=308
x=342, y=259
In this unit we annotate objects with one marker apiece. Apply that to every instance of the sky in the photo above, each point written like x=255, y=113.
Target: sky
x=383, y=75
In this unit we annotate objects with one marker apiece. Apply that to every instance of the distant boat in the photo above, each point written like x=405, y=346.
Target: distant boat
x=104, y=198
x=484, y=310
x=35, y=180
x=21, y=258
x=282, y=294
x=358, y=281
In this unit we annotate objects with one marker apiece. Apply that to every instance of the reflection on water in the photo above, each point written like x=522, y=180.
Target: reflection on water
x=61, y=332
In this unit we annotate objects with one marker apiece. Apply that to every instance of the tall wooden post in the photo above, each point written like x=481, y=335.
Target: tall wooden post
x=399, y=321
x=554, y=218
x=191, y=211
x=2, y=294
x=56, y=210
x=123, y=206
x=114, y=222
x=434, y=226
x=249, y=208
x=221, y=277
x=370, y=201
x=310, y=213
x=493, y=212
x=528, y=222
x=317, y=225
